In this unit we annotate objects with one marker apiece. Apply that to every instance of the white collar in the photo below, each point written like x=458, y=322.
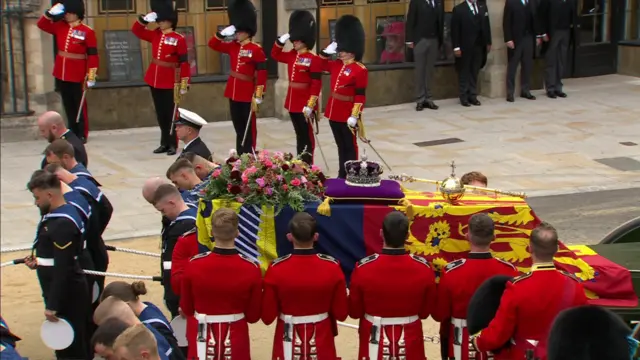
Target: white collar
x=187, y=144
x=473, y=6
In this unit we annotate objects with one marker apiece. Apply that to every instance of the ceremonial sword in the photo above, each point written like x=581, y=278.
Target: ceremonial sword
x=354, y=130
x=311, y=119
x=84, y=96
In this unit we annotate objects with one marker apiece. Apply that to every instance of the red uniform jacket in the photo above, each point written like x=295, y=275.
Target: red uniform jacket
x=77, y=55
x=458, y=283
x=305, y=77
x=348, y=87
x=527, y=309
x=206, y=291
x=170, y=62
x=387, y=285
x=305, y=284
x=248, y=68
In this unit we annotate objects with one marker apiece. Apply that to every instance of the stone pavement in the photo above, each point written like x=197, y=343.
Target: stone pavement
x=542, y=147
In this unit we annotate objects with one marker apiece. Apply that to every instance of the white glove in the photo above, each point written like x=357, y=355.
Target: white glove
x=228, y=31
x=331, y=49
x=307, y=111
x=91, y=83
x=183, y=91
x=283, y=38
x=56, y=9
x=150, y=17
x=258, y=100
x=352, y=121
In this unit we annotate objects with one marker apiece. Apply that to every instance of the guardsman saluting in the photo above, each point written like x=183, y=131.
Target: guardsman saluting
x=58, y=244
x=248, y=77
x=391, y=329
x=169, y=74
x=77, y=59
x=349, y=79
x=305, y=78
x=306, y=306
x=222, y=305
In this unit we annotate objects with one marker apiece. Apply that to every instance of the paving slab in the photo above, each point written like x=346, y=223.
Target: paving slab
x=542, y=147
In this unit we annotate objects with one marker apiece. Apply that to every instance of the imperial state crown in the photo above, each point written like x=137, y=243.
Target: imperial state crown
x=362, y=172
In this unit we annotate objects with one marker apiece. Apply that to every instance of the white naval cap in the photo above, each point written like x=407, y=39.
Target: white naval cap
x=190, y=118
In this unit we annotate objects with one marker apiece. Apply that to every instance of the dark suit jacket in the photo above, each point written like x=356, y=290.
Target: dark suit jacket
x=80, y=153
x=514, y=20
x=198, y=147
x=549, y=12
x=417, y=20
x=464, y=27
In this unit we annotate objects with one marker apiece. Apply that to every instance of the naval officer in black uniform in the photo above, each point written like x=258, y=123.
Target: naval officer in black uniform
x=188, y=127
x=58, y=243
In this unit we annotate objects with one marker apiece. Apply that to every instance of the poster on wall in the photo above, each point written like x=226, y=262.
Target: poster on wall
x=190, y=39
x=225, y=60
x=390, y=45
x=124, y=57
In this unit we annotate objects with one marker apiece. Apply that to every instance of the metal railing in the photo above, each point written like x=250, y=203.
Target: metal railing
x=13, y=65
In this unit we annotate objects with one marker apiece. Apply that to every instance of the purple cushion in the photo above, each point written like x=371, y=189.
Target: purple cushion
x=388, y=191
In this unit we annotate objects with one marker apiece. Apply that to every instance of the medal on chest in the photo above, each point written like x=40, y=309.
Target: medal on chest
x=246, y=53
x=303, y=62
x=346, y=72
x=171, y=41
x=78, y=34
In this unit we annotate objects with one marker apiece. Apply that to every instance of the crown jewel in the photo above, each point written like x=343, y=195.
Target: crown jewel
x=362, y=172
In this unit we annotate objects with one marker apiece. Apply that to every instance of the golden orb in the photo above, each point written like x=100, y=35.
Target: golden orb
x=451, y=188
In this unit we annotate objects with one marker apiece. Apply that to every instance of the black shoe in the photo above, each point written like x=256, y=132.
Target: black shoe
x=419, y=106
x=510, y=98
x=171, y=151
x=465, y=103
x=430, y=105
x=527, y=95
x=84, y=140
x=561, y=94
x=475, y=102
x=551, y=95
x=161, y=149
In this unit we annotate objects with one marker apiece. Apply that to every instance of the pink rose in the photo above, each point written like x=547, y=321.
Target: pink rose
x=285, y=187
x=268, y=163
x=260, y=182
x=239, y=199
x=216, y=173
x=245, y=180
x=252, y=170
x=295, y=182
x=315, y=168
x=268, y=191
x=303, y=179
x=279, y=177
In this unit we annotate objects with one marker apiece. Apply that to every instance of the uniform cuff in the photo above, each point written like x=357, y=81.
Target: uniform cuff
x=456, y=49
x=312, y=101
x=357, y=108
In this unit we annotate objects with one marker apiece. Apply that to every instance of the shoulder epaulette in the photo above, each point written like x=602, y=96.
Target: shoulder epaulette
x=454, y=265
x=361, y=65
x=327, y=258
x=420, y=259
x=568, y=274
x=505, y=262
x=177, y=33
x=245, y=257
x=190, y=231
x=368, y=259
x=521, y=277
x=280, y=259
x=200, y=256
x=256, y=44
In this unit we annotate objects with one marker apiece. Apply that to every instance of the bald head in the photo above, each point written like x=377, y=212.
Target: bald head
x=51, y=125
x=544, y=242
x=150, y=186
x=112, y=307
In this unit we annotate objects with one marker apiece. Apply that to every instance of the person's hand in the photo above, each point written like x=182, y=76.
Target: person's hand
x=307, y=111
x=488, y=48
x=457, y=53
x=31, y=262
x=331, y=49
x=283, y=38
x=510, y=45
x=228, y=31
x=545, y=38
x=56, y=9
x=91, y=83
x=352, y=121
x=410, y=45
x=150, y=17
x=50, y=315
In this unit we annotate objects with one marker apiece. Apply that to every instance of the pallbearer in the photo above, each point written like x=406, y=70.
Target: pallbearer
x=169, y=74
x=77, y=60
x=305, y=78
x=248, y=76
x=349, y=78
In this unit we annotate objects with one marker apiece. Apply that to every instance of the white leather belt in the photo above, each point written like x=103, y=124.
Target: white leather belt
x=377, y=323
x=458, y=333
x=219, y=319
x=166, y=265
x=203, y=329
x=289, y=322
x=48, y=261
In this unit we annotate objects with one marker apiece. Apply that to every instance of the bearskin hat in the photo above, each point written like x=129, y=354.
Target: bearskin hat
x=74, y=7
x=242, y=15
x=302, y=27
x=350, y=36
x=588, y=333
x=165, y=9
x=484, y=303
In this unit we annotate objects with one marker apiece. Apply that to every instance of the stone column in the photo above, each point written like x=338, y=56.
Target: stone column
x=285, y=8
x=493, y=77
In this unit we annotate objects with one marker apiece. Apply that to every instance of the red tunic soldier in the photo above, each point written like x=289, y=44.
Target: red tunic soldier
x=531, y=302
x=248, y=77
x=390, y=293
x=76, y=62
x=349, y=80
x=306, y=306
x=305, y=78
x=169, y=74
x=459, y=282
x=222, y=305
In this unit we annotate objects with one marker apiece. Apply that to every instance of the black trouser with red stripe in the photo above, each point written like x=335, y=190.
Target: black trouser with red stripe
x=239, y=116
x=71, y=93
x=163, y=102
x=305, y=142
x=347, y=145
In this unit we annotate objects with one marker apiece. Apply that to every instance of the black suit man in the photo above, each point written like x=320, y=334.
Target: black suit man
x=424, y=34
x=521, y=34
x=471, y=39
x=558, y=18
